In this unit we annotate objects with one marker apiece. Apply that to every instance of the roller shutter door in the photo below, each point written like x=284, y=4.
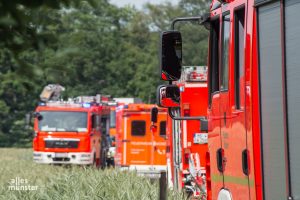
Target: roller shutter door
x=272, y=115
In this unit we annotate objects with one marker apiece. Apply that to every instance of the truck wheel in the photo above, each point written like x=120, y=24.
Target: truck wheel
x=110, y=162
x=224, y=195
x=98, y=162
x=103, y=159
x=94, y=161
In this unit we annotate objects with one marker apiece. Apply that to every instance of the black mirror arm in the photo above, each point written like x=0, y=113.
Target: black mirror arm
x=201, y=118
x=188, y=19
x=203, y=20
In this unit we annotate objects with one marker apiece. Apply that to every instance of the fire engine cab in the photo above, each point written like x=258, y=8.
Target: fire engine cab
x=253, y=104
x=140, y=147
x=70, y=132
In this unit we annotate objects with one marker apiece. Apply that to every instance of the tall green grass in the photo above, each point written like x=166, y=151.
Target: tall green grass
x=71, y=182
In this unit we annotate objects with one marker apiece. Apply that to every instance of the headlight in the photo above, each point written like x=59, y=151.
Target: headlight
x=85, y=155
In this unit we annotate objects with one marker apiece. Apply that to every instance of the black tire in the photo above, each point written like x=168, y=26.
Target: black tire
x=94, y=161
x=110, y=162
x=103, y=159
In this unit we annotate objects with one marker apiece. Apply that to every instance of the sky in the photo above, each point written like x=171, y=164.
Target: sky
x=139, y=3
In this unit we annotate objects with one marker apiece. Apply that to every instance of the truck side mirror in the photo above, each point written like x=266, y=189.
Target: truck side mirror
x=154, y=113
x=168, y=96
x=170, y=55
x=38, y=116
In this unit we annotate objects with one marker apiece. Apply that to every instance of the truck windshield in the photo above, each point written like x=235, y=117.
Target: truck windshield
x=63, y=121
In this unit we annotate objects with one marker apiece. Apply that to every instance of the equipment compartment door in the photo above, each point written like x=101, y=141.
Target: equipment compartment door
x=271, y=101
x=292, y=43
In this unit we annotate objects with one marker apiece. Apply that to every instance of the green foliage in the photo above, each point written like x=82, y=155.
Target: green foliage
x=89, y=47
x=71, y=182
x=17, y=28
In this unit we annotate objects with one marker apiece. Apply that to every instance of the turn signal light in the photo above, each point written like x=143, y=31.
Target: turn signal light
x=186, y=109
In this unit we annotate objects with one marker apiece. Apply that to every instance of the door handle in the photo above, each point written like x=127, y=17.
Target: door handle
x=245, y=163
x=168, y=149
x=220, y=164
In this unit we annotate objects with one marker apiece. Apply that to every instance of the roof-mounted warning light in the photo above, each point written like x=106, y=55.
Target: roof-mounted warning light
x=86, y=105
x=96, y=100
x=112, y=103
x=194, y=74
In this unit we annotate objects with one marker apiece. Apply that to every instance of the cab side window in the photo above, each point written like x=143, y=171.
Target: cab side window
x=112, y=119
x=138, y=128
x=94, y=121
x=239, y=34
x=162, y=128
x=225, y=52
x=104, y=124
x=214, y=58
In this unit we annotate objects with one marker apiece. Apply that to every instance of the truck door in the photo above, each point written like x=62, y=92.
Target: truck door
x=214, y=138
x=105, y=140
x=139, y=141
x=232, y=103
x=95, y=137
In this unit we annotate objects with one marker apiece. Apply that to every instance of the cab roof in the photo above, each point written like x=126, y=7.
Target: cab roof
x=139, y=107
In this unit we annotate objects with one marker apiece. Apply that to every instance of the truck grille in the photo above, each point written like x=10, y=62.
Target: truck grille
x=61, y=144
x=61, y=159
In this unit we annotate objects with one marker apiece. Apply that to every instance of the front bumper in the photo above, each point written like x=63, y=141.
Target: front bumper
x=79, y=158
x=152, y=171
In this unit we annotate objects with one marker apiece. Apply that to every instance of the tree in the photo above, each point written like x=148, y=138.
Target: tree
x=87, y=48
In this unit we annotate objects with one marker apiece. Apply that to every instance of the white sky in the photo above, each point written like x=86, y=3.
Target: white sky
x=139, y=3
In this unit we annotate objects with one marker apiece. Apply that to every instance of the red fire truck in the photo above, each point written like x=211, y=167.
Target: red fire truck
x=70, y=132
x=187, y=146
x=253, y=112
x=139, y=147
x=193, y=102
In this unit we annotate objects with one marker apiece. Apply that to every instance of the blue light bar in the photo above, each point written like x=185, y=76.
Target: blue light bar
x=42, y=104
x=86, y=105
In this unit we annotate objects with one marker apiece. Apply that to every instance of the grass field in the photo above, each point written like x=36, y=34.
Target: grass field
x=73, y=182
